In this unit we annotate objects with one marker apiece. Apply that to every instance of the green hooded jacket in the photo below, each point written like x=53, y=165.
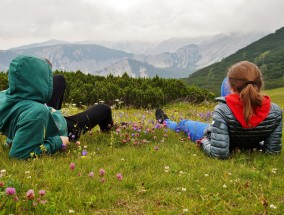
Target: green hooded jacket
x=24, y=117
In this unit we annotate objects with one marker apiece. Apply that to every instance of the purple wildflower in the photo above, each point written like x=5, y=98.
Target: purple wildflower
x=10, y=191
x=72, y=166
x=43, y=201
x=91, y=174
x=84, y=153
x=41, y=192
x=64, y=147
x=30, y=194
x=102, y=172
x=119, y=176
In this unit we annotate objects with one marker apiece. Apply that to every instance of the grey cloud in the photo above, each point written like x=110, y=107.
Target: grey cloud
x=29, y=21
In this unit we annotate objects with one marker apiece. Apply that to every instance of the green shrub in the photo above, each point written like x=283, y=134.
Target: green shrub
x=135, y=92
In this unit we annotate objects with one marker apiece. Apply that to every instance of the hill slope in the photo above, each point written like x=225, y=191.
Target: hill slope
x=267, y=53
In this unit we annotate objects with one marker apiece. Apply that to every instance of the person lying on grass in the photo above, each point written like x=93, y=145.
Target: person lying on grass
x=243, y=120
x=29, y=110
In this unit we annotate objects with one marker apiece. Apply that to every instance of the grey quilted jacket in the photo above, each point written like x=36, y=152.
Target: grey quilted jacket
x=226, y=133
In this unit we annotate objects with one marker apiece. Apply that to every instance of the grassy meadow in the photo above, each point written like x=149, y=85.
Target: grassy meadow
x=143, y=168
x=277, y=96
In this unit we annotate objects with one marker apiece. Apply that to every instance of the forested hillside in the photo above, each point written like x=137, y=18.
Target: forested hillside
x=267, y=53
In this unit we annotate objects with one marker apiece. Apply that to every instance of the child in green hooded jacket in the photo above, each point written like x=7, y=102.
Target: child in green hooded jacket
x=28, y=123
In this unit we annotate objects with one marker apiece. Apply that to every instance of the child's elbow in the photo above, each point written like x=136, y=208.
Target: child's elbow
x=18, y=155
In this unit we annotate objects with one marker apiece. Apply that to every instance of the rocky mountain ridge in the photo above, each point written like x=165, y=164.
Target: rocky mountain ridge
x=175, y=58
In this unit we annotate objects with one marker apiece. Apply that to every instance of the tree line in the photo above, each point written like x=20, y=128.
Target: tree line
x=87, y=89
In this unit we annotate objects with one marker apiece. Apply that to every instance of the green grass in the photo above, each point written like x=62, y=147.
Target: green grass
x=163, y=173
x=277, y=96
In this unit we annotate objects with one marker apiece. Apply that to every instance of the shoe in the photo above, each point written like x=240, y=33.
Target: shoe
x=160, y=115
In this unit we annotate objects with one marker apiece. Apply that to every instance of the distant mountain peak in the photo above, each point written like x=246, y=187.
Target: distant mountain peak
x=41, y=44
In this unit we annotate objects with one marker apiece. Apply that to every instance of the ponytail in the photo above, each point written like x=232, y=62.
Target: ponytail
x=251, y=99
x=245, y=78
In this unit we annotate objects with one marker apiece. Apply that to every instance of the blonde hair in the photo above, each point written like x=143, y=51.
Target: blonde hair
x=245, y=78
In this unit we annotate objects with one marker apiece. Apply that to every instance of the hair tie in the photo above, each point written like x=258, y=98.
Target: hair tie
x=250, y=82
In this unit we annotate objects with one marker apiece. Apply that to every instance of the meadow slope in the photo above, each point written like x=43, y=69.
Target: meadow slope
x=143, y=168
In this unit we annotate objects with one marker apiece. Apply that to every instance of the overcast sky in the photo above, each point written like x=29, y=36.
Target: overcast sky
x=31, y=21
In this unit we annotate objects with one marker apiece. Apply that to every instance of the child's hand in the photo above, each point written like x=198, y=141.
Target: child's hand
x=65, y=140
x=198, y=143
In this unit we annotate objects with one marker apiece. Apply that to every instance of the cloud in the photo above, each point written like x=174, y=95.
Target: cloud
x=29, y=21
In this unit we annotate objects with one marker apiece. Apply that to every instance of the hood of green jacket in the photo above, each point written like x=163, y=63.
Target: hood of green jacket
x=30, y=78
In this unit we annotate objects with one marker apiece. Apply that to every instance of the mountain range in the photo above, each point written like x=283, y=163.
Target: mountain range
x=267, y=53
x=173, y=58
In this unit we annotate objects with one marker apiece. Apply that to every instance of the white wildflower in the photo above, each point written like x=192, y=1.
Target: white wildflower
x=167, y=168
x=274, y=170
x=181, y=173
x=2, y=173
x=206, y=175
x=272, y=206
x=225, y=186
x=185, y=210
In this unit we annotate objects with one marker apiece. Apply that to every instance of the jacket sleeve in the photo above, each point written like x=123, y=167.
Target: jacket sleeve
x=216, y=142
x=30, y=138
x=273, y=144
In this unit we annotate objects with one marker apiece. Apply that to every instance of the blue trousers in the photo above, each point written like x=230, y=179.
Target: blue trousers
x=193, y=129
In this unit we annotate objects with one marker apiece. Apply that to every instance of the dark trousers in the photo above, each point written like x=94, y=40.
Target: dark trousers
x=99, y=114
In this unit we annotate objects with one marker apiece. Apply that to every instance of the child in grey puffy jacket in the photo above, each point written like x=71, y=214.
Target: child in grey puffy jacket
x=244, y=119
